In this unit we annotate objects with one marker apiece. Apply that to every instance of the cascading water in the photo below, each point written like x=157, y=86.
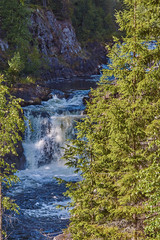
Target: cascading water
x=52, y=123
x=48, y=126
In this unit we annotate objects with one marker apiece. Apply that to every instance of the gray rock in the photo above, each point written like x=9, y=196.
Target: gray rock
x=57, y=43
x=31, y=94
x=19, y=160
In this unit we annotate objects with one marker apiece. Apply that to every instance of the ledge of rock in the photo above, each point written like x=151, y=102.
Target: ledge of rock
x=63, y=237
x=31, y=94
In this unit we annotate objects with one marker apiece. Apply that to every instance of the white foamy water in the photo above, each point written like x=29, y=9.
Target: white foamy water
x=48, y=126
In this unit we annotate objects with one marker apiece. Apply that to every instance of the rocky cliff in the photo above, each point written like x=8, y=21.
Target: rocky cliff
x=58, y=44
x=59, y=48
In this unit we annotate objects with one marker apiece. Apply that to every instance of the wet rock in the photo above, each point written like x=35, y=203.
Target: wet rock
x=31, y=94
x=59, y=48
x=19, y=160
x=98, y=51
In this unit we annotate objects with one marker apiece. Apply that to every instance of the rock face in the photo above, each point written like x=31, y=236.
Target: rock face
x=31, y=94
x=54, y=37
x=59, y=48
x=19, y=160
x=58, y=44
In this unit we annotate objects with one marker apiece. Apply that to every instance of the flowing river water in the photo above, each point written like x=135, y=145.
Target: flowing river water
x=38, y=194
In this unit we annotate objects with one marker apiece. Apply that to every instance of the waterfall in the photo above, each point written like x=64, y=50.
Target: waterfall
x=43, y=145
x=38, y=194
x=48, y=126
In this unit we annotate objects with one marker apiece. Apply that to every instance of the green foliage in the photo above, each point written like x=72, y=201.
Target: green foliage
x=14, y=21
x=23, y=59
x=23, y=64
x=11, y=127
x=10, y=122
x=93, y=20
x=15, y=64
x=33, y=61
x=61, y=8
x=117, y=148
x=150, y=185
x=57, y=6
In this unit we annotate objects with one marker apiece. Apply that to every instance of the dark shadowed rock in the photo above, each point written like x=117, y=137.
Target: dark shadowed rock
x=59, y=48
x=19, y=160
x=31, y=94
x=58, y=44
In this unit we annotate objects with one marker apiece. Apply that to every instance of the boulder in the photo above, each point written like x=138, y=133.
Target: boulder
x=63, y=237
x=31, y=94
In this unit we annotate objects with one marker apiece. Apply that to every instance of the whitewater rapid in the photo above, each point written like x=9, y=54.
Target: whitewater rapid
x=48, y=126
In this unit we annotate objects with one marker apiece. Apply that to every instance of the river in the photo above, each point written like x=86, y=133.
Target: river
x=38, y=194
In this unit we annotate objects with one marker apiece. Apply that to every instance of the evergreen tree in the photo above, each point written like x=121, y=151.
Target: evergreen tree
x=117, y=146
x=93, y=20
x=11, y=125
x=24, y=58
x=14, y=17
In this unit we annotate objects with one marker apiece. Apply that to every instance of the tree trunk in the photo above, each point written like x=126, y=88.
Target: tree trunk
x=1, y=236
x=45, y=3
x=135, y=226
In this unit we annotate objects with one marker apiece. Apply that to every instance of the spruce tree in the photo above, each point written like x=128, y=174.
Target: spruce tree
x=117, y=145
x=93, y=20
